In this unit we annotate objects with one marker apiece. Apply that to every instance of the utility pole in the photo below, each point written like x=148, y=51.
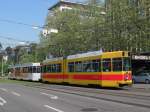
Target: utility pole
x=2, y=68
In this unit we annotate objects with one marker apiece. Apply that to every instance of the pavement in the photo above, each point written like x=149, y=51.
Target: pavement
x=19, y=98
x=141, y=86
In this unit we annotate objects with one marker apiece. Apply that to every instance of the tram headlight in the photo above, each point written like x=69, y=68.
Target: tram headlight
x=126, y=76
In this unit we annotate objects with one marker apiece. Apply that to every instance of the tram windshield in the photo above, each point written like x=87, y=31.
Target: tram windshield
x=126, y=64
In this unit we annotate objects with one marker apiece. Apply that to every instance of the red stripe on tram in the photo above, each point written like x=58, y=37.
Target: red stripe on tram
x=98, y=77
x=55, y=76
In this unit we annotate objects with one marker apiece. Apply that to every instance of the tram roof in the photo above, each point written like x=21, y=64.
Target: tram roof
x=52, y=59
x=24, y=65
x=82, y=55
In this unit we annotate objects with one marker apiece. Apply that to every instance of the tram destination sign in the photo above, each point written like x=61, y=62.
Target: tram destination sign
x=141, y=57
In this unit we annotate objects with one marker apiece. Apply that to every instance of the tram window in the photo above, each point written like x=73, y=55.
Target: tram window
x=29, y=69
x=19, y=70
x=58, y=68
x=78, y=66
x=87, y=66
x=44, y=69
x=126, y=64
x=34, y=70
x=106, y=65
x=49, y=68
x=53, y=68
x=117, y=64
x=96, y=66
x=38, y=69
x=25, y=69
x=71, y=67
x=16, y=71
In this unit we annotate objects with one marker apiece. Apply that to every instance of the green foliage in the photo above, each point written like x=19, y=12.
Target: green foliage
x=5, y=68
x=125, y=26
x=26, y=58
x=78, y=31
x=128, y=24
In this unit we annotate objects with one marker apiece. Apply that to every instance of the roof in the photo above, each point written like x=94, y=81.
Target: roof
x=53, y=59
x=24, y=65
x=66, y=2
x=83, y=55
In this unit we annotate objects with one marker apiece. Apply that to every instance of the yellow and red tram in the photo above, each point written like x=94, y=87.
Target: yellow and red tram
x=52, y=70
x=108, y=69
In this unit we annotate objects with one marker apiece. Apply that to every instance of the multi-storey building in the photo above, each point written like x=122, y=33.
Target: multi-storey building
x=80, y=8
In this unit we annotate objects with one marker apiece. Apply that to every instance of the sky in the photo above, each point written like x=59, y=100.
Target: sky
x=32, y=12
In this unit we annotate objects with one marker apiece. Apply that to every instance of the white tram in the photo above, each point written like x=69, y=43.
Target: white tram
x=29, y=71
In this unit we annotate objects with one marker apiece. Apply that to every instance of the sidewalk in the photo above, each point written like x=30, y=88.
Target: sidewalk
x=141, y=86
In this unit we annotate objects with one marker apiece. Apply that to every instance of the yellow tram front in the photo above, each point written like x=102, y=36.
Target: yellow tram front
x=116, y=69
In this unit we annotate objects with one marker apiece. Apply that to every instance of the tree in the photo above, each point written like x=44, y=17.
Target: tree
x=127, y=23
x=27, y=58
x=80, y=29
x=121, y=25
x=10, y=54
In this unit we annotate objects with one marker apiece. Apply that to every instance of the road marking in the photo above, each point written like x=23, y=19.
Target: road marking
x=3, y=101
x=50, y=95
x=57, y=110
x=14, y=93
x=1, y=104
x=3, y=89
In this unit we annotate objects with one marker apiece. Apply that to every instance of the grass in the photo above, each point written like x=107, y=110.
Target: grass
x=8, y=81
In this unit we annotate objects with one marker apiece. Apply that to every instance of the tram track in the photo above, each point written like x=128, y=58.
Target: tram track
x=122, y=93
x=97, y=95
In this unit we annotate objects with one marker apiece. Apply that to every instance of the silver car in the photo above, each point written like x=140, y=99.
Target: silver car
x=141, y=78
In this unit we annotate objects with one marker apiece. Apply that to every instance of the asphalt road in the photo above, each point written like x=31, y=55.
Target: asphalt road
x=19, y=98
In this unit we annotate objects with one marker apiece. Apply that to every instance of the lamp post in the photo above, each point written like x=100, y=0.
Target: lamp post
x=46, y=31
x=49, y=31
x=2, y=67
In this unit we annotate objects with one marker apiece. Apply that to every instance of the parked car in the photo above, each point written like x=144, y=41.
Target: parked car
x=141, y=78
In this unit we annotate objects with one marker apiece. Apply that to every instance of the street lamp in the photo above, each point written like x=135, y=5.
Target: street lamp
x=4, y=59
x=49, y=31
x=46, y=31
x=2, y=67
